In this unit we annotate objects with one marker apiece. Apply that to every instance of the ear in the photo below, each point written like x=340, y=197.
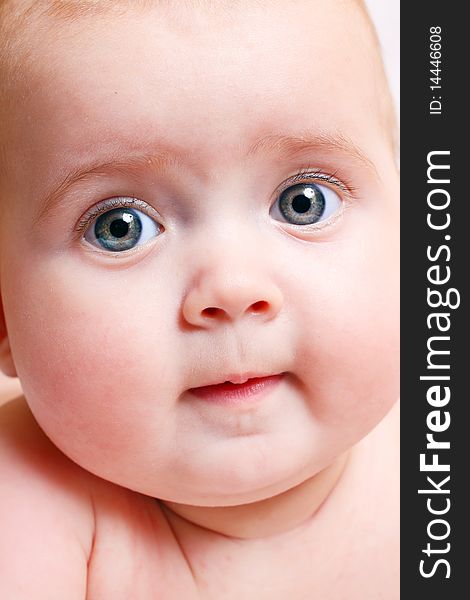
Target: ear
x=6, y=360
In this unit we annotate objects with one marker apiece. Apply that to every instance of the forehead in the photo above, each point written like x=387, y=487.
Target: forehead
x=208, y=77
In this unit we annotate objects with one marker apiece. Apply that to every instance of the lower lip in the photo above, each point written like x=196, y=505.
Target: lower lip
x=234, y=393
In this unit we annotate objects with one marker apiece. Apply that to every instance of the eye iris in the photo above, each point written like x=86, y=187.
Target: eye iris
x=302, y=204
x=118, y=229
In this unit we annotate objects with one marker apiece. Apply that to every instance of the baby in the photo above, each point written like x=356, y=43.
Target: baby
x=199, y=283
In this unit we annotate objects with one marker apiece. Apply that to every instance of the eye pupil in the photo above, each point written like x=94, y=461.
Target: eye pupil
x=301, y=204
x=119, y=228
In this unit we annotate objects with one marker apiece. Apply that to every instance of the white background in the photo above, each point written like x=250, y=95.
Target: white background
x=386, y=16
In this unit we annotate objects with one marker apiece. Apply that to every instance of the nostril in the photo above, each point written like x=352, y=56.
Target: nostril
x=260, y=306
x=211, y=311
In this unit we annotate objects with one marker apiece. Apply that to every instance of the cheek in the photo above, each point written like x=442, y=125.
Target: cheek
x=349, y=349
x=90, y=355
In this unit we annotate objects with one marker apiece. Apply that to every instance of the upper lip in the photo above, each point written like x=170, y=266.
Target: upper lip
x=238, y=378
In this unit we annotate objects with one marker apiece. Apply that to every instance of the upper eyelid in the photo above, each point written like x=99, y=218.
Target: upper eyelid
x=111, y=203
x=316, y=174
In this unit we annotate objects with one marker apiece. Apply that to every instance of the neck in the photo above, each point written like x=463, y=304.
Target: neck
x=266, y=517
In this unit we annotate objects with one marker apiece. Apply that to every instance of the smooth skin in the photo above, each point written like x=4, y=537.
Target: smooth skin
x=107, y=344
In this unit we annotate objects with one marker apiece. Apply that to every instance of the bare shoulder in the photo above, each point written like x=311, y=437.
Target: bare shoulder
x=66, y=533
x=46, y=515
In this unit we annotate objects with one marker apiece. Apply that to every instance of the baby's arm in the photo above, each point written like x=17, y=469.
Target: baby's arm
x=46, y=516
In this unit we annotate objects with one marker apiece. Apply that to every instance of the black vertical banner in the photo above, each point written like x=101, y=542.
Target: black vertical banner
x=435, y=436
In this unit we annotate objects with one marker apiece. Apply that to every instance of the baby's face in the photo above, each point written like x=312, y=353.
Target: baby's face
x=243, y=221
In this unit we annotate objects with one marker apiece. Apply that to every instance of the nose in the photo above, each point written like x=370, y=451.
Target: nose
x=225, y=297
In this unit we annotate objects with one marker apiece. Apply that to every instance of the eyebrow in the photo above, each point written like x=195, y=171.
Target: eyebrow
x=73, y=10
x=293, y=146
x=287, y=147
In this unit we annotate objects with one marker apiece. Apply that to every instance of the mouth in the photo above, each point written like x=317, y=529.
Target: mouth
x=242, y=389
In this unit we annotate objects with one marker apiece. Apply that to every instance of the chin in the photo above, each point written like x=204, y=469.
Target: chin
x=245, y=483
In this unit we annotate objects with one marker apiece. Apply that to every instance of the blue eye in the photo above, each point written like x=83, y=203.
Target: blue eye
x=306, y=204
x=121, y=229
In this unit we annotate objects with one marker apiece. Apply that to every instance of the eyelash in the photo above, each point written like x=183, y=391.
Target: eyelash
x=311, y=172
x=307, y=173
x=110, y=204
